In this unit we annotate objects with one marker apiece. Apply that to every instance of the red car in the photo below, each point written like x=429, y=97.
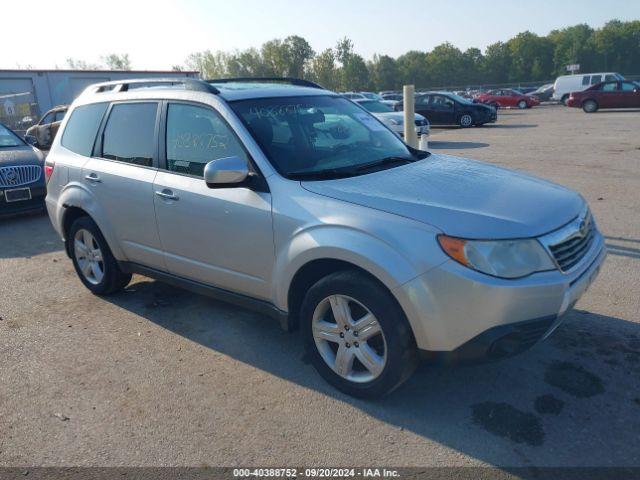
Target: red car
x=506, y=97
x=612, y=94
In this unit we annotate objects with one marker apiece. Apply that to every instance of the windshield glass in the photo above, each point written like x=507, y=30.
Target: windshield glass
x=327, y=135
x=372, y=96
x=8, y=138
x=459, y=99
x=376, y=107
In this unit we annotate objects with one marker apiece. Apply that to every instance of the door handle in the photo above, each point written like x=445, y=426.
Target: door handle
x=167, y=194
x=92, y=177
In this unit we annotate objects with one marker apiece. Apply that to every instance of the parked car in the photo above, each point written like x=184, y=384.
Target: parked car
x=614, y=94
x=392, y=119
x=443, y=108
x=396, y=97
x=543, y=93
x=22, y=187
x=295, y=201
x=507, y=97
x=566, y=84
x=42, y=134
x=354, y=96
x=371, y=95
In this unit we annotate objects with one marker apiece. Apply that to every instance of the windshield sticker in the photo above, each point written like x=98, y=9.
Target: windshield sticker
x=370, y=122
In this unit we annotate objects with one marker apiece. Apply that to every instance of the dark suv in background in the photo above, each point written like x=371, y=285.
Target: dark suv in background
x=22, y=186
x=444, y=108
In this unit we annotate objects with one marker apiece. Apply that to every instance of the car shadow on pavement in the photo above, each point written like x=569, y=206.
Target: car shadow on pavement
x=27, y=235
x=456, y=145
x=571, y=400
x=511, y=125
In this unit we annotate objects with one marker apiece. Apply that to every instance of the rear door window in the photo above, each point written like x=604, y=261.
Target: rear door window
x=585, y=80
x=129, y=135
x=610, y=87
x=596, y=79
x=80, y=132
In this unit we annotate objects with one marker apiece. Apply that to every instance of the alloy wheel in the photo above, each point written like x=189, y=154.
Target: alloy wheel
x=349, y=338
x=466, y=120
x=88, y=256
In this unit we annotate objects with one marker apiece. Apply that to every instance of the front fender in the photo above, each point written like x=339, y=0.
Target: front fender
x=76, y=194
x=373, y=255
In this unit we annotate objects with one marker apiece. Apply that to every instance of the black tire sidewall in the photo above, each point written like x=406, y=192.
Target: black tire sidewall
x=113, y=278
x=400, y=344
x=587, y=102
x=460, y=120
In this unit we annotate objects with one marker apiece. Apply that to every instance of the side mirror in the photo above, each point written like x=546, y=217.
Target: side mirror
x=226, y=172
x=31, y=140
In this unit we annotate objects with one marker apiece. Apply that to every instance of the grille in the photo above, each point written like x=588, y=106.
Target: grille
x=19, y=175
x=572, y=249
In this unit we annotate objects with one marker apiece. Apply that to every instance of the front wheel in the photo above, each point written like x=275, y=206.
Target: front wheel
x=590, y=106
x=92, y=258
x=522, y=104
x=357, y=336
x=465, y=120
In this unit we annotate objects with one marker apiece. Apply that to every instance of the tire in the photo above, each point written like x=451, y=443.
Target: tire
x=465, y=120
x=390, y=347
x=564, y=99
x=522, y=104
x=92, y=258
x=590, y=106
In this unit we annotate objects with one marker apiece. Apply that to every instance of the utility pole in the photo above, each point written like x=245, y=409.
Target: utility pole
x=410, y=136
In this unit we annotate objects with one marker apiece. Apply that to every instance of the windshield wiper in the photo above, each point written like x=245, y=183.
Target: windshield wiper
x=322, y=174
x=384, y=162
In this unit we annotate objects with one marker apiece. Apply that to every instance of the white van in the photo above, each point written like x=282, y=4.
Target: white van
x=566, y=84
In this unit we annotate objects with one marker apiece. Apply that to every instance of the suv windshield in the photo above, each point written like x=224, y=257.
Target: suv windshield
x=319, y=137
x=375, y=106
x=8, y=138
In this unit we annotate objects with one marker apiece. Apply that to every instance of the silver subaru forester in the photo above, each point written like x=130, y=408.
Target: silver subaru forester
x=280, y=196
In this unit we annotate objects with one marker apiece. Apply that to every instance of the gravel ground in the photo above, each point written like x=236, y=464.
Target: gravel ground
x=159, y=376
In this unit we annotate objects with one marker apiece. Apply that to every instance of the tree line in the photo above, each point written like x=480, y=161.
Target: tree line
x=527, y=57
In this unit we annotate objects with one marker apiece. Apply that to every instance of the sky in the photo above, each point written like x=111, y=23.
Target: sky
x=162, y=33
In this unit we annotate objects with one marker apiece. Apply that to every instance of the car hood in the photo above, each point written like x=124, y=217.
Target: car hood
x=23, y=155
x=460, y=197
x=397, y=116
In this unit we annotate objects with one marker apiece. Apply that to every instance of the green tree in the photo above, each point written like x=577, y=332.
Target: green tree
x=497, y=63
x=324, y=70
x=528, y=49
x=384, y=73
x=114, y=61
x=209, y=64
x=412, y=69
x=355, y=74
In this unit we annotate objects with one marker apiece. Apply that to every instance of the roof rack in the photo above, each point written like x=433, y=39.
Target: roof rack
x=289, y=80
x=123, y=85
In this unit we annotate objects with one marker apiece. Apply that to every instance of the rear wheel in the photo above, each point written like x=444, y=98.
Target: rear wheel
x=522, y=104
x=590, y=106
x=465, y=120
x=357, y=336
x=93, y=260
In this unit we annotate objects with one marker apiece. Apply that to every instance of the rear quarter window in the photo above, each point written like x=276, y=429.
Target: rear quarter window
x=80, y=133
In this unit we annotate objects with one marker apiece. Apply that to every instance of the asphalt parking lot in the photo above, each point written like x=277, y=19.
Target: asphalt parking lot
x=159, y=376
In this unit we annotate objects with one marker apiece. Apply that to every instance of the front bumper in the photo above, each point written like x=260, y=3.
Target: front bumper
x=38, y=192
x=458, y=314
x=573, y=102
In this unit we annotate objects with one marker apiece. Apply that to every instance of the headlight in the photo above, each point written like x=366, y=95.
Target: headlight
x=500, y=258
